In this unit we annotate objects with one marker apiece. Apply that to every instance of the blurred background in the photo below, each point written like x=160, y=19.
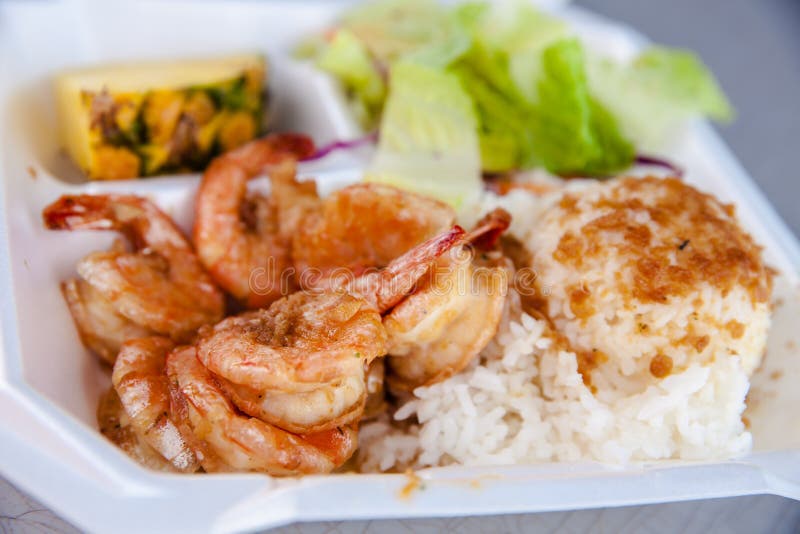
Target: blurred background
x=753, y=48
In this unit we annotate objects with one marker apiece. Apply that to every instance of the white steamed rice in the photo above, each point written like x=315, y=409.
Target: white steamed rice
x=525, y=401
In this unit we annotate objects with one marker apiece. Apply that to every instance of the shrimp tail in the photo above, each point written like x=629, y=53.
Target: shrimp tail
x=81, y=212
x=135, y=217
x=489, y=229
x=401, y=275
x=338, y=443
x=299, y=145
x=273, y=149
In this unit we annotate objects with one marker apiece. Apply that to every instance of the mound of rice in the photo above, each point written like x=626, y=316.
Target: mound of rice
x=651, y=312
x=651, y=275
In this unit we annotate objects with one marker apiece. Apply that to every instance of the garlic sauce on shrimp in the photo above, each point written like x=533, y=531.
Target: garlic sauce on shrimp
x=246, y=443
x=140, y=379
x=365, y=226
x=442, y=326
x=114, y=424
x=313, y=344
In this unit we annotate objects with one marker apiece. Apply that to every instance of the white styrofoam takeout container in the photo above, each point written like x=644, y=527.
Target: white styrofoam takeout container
x=49, y=385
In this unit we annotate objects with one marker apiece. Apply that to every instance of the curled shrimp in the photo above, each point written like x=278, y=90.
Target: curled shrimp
x=298, y=365
x=248, y=444
x=299, y=343
x=140, y=379
x=160, y=285
x=115, y=425
x=238, y=234
x=102, y=330
x=452, y=315
x=319, y=409
x=364, y=226
x=312, y=347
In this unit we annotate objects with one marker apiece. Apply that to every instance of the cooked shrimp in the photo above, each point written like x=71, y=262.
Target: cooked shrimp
x=115, y=424
x=322, y=408
x=143, y=388
x=438, y=330
x=383, y=289
x=376, y=396
x=246, y=443
x=237, y=234
x=310, y=338
x=299, y=343
x=296, y=202
x=365, y=226
x=161, y=285
x=314, y=345
x=102, y=330
x=300, y=364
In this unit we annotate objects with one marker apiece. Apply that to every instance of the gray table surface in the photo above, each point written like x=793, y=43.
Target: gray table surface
x=753, y=46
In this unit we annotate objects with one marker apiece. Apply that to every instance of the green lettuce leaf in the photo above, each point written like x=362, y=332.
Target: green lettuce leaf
x=452, y=42
x=573, y=134
x=391, y=29
x=520, y=31
x=532, y=98
x=658, y=91
x=348, y=59
x=428, y=141
x=518, y=77
x=557, y=125
x=505, y=140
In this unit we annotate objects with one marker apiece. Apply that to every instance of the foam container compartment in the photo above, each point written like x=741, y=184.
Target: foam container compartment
x=49, y=384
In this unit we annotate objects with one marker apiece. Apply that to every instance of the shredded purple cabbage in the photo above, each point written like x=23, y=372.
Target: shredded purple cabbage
x=323, y=151
x=642, y=159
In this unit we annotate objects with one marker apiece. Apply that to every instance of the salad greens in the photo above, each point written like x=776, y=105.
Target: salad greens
x=657, y=91
x=573, y=132
x=428, y=133
x=392, y=28
x=348, y=59
x=519, y=79
x=504, y=113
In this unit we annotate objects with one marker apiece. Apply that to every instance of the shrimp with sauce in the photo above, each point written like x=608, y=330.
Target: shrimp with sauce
x=238, y=234
x=322, y=408
x=101, y=328
x=246, y=443
x=114, y=424
x=311, y=350
x=366, y=226
x=140, y=380
x=439, y=329
x=160, y=285
x=249, y=241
